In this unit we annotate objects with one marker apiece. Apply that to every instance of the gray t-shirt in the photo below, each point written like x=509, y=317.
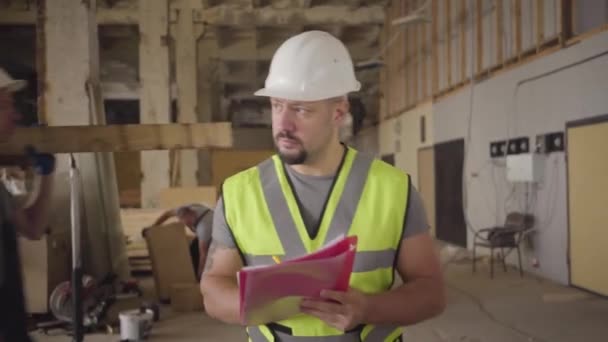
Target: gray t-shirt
x=311, y=192
x=202, y=227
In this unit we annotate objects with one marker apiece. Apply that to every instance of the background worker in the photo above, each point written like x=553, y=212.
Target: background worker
x=30, y=222
x=198, y=218
x=316, y=189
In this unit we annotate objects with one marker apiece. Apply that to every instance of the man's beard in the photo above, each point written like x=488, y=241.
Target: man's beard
x=291, y=159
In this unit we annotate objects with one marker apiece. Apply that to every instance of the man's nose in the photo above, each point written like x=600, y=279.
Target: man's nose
x=286, y=120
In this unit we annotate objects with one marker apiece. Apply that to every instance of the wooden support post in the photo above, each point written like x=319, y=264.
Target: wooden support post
x=516, y=15
x=155, y=93
x=567, y=21
x=434, y=41
x=463, y=40
x=479, y=31
x=499, y=32
x=540, y=24
x=186, y=77
x=71, y=96
x=405, y=61
x=424, y=65
x=416, y=56
x=448, y=40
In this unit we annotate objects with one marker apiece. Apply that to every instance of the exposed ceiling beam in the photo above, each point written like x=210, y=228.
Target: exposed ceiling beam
x=230, y=15
x=105, y=16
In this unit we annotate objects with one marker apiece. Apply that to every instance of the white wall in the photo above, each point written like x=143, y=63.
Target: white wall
x=541, y=106
x=401, y=136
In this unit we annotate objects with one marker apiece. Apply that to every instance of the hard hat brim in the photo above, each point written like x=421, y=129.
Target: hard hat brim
x=299, y=96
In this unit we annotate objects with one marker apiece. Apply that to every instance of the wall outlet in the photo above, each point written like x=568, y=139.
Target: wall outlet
x=550, y=142
x=518, y=146
x=554, y=142
x=498, y=149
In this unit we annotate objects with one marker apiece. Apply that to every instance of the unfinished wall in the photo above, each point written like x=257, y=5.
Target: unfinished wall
x=574, y=88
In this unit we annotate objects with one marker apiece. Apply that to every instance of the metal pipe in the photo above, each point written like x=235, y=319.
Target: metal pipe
x=76, y=244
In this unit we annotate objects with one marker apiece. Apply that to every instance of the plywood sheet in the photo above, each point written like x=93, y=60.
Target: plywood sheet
x=169, y=252
x=226, y=163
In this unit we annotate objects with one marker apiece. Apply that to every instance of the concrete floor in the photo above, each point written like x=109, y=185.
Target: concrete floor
x=507, y=308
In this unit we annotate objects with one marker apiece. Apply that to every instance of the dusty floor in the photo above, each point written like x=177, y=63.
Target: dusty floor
x=507, y=308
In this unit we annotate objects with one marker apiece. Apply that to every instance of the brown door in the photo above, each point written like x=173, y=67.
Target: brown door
x=587, y=205
x=426, y=183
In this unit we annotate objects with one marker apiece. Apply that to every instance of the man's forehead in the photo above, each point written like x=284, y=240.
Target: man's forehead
x=294, y=102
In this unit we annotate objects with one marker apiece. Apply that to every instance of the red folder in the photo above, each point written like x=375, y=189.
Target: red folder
x=272, y=293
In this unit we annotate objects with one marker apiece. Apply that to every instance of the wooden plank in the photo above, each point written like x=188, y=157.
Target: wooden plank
x=517, y=26
x=119, y=138
x=479, y=31
x=499, y=32
x=463, y=40
x=540, y=23
x=434, y=39
x=448, y=40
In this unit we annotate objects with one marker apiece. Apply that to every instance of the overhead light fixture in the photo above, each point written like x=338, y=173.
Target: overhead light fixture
x=419, y=16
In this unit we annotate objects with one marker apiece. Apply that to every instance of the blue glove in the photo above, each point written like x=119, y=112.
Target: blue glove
x=44, y=163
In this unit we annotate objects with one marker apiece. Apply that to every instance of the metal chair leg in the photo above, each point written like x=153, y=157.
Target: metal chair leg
x=521, y=271
x=504, y=261
x=492, y=263
x=474, y=259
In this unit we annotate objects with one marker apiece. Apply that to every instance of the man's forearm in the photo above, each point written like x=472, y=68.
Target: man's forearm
x=37, y=215
x=407, y=304
x=221, y=297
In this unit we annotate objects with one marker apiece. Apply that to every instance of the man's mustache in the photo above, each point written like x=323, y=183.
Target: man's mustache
x=287, y=135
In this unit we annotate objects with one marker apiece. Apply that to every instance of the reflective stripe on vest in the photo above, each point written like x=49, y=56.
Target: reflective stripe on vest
x=263, y=214
x=377, y=334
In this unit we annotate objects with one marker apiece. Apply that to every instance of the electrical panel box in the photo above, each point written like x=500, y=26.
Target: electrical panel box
x=525, y=167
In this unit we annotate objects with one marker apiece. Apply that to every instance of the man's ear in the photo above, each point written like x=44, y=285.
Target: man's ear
x=341, y=108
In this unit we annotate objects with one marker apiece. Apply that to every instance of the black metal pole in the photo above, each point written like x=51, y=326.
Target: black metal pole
x=76, y=258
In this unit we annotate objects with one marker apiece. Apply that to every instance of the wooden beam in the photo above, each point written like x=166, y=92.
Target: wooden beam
x=119, y=138
x=463, y=40
x=448, y=40
x=416, y=57
x=540, y=23
x=516, y=15
x=104, y=16
x=567, y=20
x=424, y=63
x=499, y=32
x=434, y=41
x=234, y=15
x=479, y=31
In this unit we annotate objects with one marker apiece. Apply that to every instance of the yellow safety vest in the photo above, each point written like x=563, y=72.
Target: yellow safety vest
x=368, y=198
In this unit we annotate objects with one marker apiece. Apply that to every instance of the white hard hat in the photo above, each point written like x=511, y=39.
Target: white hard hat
x=8, y=83
x=310, y=66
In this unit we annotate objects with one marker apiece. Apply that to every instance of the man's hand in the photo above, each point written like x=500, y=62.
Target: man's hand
x=342, y=310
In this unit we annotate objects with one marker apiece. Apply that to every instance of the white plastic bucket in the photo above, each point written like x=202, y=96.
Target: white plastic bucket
x=135, y=325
